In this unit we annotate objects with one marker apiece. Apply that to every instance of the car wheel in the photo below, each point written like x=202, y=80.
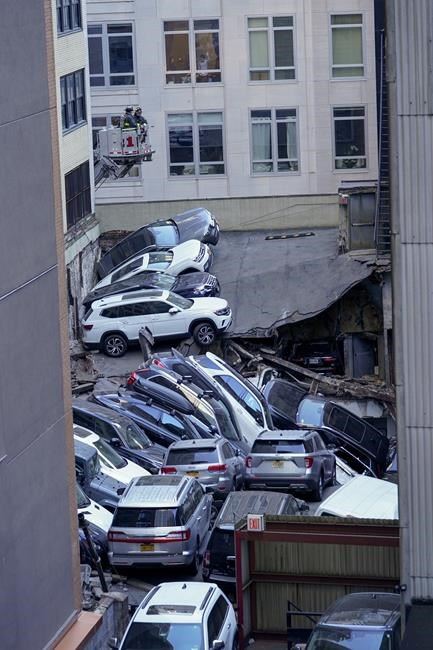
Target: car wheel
x=204, y=334
x=115, y=345
x=318, y=492
x=333, y=480
x=194, y=567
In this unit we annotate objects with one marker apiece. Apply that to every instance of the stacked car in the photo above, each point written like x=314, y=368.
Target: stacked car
x=157, y=278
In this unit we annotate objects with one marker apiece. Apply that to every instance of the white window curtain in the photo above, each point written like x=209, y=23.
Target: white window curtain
x=262, y=145
x=292, y=143
x=259, y=55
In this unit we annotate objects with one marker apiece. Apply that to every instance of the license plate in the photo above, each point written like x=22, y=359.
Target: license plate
x=194, y=474
x=146, y=547
x=278, y=464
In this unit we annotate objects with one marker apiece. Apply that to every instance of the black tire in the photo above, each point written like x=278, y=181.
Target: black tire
x=194, y=567
x=204, y=334
x=317, y=494
x=114, y=345
x=333, y=480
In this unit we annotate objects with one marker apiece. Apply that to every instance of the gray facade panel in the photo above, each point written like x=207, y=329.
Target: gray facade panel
x=31, y=396
x=26, y=193
x=23, y=60
x=35, y=543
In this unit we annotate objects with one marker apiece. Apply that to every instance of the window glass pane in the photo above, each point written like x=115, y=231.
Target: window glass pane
x=119, y=29
x=94, y=29
x=349, y=138
x=346, y=19
x=96, y=65
x=211, y=144
x=182, y=170
x=180, y=118
x=285, y=112
x=97, y=81
x=206, y=24
x=259, y=57
x=176, y=26
x=262, y=143
x=177, y=52
x=181, y=149
x=283, y=40
x=120, y=53
x=347, y=46
x=349, y=112
x=207, y=51
x=287, y=142
x=257, y=22
x=122, y=80
x=263, y=75
x=210, y=118
x=283, y=21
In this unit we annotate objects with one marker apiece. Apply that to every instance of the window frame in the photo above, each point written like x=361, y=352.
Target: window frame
x=270, y=30
x=193, y=69
x=331, y=27
x=83, y=197
x=73, y=81
x=75, y=10
x=346, y=170
x=106, y=74
x=196, y=162
x=274, y=143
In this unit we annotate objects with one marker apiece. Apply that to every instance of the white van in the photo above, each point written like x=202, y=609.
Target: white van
x=362, y=497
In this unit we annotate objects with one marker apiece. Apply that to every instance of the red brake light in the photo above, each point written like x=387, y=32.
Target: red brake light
x=308, y=462
x=248, y=461
x=217, y=468
x=168, y=470
x=157, y=362
x=182, y=536
x=87, y=327
x=206, y=558
x=132, y=378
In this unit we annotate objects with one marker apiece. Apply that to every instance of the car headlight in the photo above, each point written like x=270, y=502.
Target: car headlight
x=201, y=253
x=222, y=312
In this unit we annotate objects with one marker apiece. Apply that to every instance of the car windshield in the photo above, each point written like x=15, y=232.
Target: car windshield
x=310, y=413
x=109, y=456
x=160, y=260
x=156, y=636
x=135, y=438
x=178, y=301
x=344, y=639
x=224, y=420
x=147, y=517
x=165, y=233
x=82, y=499
x=127, y=268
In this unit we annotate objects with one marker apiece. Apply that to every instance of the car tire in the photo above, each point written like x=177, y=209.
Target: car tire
x=114, y=345
x=204, y=334
x=318, y=491
x=194, y=567
x=333, y=480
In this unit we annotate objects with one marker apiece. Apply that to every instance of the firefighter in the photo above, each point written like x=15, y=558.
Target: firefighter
x=141, y=123
x=129, y=121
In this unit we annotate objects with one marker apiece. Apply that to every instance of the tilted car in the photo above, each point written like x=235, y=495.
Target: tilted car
x=160, y=520
x=103, y=489
x=182, y=616
x=112, y=324
x=188, y=285
x=197, y=223
x=190, y=256
x=213, y=463
x=293, y=460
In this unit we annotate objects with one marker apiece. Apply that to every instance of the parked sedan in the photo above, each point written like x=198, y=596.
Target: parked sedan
x=212, y=462
x=294, y=460
x=190, y=256
x=189, y=285
x=197, y=223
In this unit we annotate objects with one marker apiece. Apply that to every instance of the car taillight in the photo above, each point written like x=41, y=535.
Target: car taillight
x=157, y=362
x=182, y=536
x=206, y=558
x=248, y=461
x=168, y=470
x=308, y=462
x=217, y=468
x=116, y=536
x=87, y=327
x=132, y=379
x=328, y=359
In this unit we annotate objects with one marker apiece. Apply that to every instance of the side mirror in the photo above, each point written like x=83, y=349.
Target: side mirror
x=115, y=442
x=113, y=643
x=218, y=645
x=120, y=491
x=173, y=310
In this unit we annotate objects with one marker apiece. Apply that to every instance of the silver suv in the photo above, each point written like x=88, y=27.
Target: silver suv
x=160, y=520
x=296, y=460
x=213, y=462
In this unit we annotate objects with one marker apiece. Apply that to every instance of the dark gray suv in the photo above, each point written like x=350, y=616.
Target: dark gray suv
x=295, y=460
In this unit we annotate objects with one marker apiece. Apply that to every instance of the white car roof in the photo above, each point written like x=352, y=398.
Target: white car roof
x=141, y=295
x=153, y=491
x=362, y=497
x=182, y=602
x=85, y=435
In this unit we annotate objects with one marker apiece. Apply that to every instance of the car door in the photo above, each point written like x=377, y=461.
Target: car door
x=233, y=462
x=219, y=623
x=134, y=316
x=202, y=511
x=326, y=455
x=166, y=323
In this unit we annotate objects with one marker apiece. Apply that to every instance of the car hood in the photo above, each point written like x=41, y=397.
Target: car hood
x=186, y=251
x=209, y=304
x=155, y=453
x=193, y=224
x=97, y=515
x=192, y=281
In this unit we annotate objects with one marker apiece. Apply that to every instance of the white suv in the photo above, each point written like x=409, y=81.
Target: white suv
x=112, y=323
x=182, y=616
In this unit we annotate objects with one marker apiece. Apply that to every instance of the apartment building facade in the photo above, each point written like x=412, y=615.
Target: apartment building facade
x=258, y=110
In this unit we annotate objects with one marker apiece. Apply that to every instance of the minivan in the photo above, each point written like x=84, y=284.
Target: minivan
x=160, y=520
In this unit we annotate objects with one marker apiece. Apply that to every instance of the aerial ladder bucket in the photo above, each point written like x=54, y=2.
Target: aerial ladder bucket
x=118, y=150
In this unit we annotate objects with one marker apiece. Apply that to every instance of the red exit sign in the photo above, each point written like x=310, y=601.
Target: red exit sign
x=255, y=523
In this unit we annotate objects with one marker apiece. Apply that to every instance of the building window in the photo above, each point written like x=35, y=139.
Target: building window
x=77, y=191
x=274, y=140
x=196, y=144
x=271, y=42
x=349, y=136
x=73, y=100
x=192, y=51
x=68, y=15
x=101, y=122
x=111, y=56
x=347, y=54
